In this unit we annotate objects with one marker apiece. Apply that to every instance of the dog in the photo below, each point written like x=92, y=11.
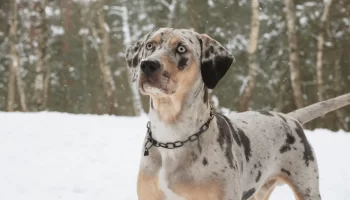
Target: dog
x=190, y=151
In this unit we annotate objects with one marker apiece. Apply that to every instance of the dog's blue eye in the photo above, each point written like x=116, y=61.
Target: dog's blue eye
x=181, y=49
x=149, y=46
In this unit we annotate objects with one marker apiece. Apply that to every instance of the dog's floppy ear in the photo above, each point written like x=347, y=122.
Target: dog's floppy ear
x=134, y=52
x=215, y=60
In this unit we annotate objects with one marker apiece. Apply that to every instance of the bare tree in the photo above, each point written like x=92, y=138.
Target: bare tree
x=294, y=60
x=320, y=44
x=101, y=39
x=252, y=57
x=15, y=77
x=338, y=90
x=39, y=43
x=122, y=11
x=171, y=7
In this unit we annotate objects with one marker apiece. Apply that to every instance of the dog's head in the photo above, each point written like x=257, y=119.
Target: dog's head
x=167, y=61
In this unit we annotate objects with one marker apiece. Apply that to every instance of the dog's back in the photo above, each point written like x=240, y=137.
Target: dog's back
x=269, y=137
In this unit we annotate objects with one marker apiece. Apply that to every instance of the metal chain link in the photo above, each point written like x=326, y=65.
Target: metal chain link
x=172, y=145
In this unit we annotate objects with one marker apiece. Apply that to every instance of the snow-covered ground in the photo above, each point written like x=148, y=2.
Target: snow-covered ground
x=49, y=156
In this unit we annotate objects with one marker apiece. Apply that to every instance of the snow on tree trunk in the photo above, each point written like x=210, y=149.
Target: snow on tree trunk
x=136, y=97
x=12, y=72
x=320, y=44
x=294, y=62
x=102, y=50
x=39, y=30
x=171, y=7
x=15, y=77
x=252, y=57
x=20, y=87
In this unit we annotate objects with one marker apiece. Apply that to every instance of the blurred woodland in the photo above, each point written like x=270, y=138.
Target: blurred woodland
x=68, y=55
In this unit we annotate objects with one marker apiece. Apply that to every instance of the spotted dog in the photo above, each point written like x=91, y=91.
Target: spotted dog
x=193, y=153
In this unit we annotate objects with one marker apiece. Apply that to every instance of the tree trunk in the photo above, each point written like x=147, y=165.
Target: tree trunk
x=11, y=87
x=84, y=37
x=136, y=97
x=320, y=43
x=20, y=86
x=103, y=58
x=252, y=57
x=39, y=28
x=338, y=91
x=294, y=61
x=12, y=74
x=171, y=7
x=14, y=71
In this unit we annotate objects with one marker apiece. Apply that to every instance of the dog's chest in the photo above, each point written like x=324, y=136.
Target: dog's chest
x=159, y=188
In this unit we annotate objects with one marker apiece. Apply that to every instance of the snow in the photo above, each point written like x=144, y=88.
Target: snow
x=57, y=30
x=106, y=27
x=50, y=155
x=84, y=31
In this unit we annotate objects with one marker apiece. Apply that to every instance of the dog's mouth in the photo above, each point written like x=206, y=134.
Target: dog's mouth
x=150, y=87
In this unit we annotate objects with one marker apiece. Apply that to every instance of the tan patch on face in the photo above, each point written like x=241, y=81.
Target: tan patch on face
x=209, y=191
x=174, y=40
x=157, y=38
x=147, y=187
x=169, y=107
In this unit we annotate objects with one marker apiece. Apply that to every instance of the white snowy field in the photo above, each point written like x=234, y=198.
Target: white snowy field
x=49, y=156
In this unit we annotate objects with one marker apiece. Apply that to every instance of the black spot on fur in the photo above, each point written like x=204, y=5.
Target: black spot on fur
x=205, y=161
x=129, y=63
x=289, y=141
x=284, y=148
x=244, y=122
x=247, y=194
x=190, y=41
x=201, y=46
x=152, y=104
x=239, y=136
x=308, y=155
x=209, y=51
x=205, y=96
x=182, y=63
x=231, y=129
x=246, y=144
x=285, y=171
x=135, y=60
x=225, y=137
x=283, y=118
x=265, y=112
x=258, y=177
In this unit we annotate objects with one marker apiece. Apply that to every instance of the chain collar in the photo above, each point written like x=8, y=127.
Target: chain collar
x=172, y=145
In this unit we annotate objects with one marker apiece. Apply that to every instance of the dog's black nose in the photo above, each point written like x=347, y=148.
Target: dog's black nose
x=149, y=66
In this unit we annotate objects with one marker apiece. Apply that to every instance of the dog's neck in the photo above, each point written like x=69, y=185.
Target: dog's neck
x=176, y=118
x=191, y=113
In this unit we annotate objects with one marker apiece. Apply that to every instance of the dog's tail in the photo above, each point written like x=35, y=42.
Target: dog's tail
x=313, y=111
